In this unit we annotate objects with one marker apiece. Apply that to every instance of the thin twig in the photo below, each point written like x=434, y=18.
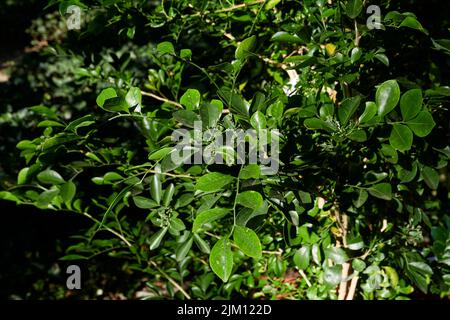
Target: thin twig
x=357, y=35
x=108, y=229
x=353, y=283
x=238, y=6
x=303, y=274
x=343, y=286
x=154, y=96
x=171, y=280
x=171, y=174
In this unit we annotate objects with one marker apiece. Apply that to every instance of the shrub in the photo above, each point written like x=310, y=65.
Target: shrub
x=358, y=204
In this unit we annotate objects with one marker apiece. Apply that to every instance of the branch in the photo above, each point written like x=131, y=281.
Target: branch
x=351, y=291
x=343, y=286
x=176, y=285
x=302, y=273
x=154, y=96
x=171, y=174
x=108, y=228
x=238, y=6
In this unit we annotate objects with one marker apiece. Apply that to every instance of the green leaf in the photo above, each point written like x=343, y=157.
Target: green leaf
x=247, y=240
x=258, y=120
x=210, y=113
x=387, y=97
x=285, y=37
x=405, y=175
x=332, y=275
x=165, y=48
x=389, y=153
x=249, y=199
x=348, y=108
x=156, y=188
x=49, y=123
x=67, y=192
x=144, y=203
x=422, y=125
x=412, y=23
x=186, y=117
x=112, y=176
x=159, y=154
x=358, y=136
x=362, y=198
x=271, y=4
x=221, y=259
x=338, y=255
x=326, y=111
x=22, y=176
x=353, y=8
x=104, y=95
x=316, y=255
x=381, y=191
x=382, y=58
x=245, y=48
x=237, y=105
x=392, y=274
x=116, y=104
x=355, y=55
x=133, y=97
x=401, y=137
x=183, y=249
x=302, y=257
x=251, y=171
x=258, y=102
x=6, y=195
x=50, y=177
x=185, y=53
x=208, y=216
x=168, y=195
x=411, y=104
x=275, y=110
x=431, y=177
x=369, y=112
x=84, y=121
x=190, y=99
x=201, y=244
x=212, y=182
x=156, y=239
x=358, y=265
x=316, y=124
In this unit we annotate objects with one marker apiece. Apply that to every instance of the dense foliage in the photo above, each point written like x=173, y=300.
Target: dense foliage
x=359, y=205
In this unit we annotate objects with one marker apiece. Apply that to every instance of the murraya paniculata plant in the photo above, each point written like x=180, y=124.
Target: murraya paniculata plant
x=358, y=207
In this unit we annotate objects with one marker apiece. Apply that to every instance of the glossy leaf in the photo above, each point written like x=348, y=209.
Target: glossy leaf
x=208, y=216
x=401, y=137
x=249, y=199
x=369, y=112
x=387, y=97
x=411, y=104
x=190, y=99
x=221, y=259
x=50, y=177
x=422, y=125
x=212, y=182
x=381, y=190
x=245, y=48
x=247, y=240
x=348, y=108
x=302, y=257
